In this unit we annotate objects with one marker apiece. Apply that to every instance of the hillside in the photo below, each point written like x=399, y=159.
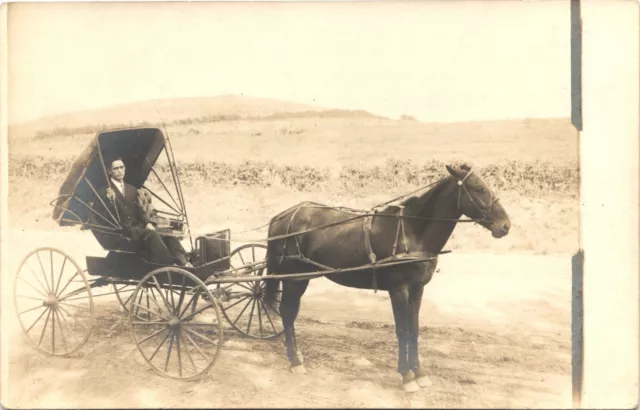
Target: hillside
x=171, y=111
x=339, y=141
x=263, y=111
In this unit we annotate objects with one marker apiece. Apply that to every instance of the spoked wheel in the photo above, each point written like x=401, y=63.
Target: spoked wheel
x=53, y=301
x=247, y=310
x=124, y=292
x=177, y=342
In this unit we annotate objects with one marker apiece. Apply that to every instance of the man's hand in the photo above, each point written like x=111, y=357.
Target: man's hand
x=111, y=194
x=151, y=227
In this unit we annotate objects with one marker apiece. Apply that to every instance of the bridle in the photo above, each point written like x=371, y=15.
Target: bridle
x=484, y=211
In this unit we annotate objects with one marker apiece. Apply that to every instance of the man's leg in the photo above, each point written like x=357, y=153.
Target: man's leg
x=153, y=242
x=177, y=251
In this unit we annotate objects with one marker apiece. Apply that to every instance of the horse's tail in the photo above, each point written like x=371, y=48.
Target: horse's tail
x=279, y=224
x=271, y=287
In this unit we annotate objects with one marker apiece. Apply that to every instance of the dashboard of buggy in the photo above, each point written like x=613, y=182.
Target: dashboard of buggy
x=213, y=248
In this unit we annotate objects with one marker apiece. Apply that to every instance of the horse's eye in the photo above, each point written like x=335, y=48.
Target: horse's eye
x=479, y=189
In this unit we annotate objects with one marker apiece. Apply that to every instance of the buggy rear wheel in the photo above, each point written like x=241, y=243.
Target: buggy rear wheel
x=247, y=310
x=53, y=301
x=177, y=342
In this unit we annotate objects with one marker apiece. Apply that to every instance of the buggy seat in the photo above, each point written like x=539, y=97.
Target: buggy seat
x=127, y=261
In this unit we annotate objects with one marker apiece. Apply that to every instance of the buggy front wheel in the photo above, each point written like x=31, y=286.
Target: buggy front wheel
x=178, y=342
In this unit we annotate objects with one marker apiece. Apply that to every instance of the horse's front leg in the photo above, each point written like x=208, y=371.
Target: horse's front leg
x=415, y=300
x=400, y=305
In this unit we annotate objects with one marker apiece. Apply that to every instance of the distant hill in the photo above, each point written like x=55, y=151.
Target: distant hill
x=339, y=136
x=177, y=110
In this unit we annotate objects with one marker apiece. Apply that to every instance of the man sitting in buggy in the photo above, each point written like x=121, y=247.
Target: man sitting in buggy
x=137, y=223
x=145, y=202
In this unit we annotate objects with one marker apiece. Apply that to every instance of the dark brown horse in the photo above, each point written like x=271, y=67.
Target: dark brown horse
x=311, y=237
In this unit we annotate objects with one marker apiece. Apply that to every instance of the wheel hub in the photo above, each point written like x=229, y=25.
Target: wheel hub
x=51, y=300
x=174, y=322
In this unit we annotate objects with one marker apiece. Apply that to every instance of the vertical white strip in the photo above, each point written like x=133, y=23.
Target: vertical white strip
x=6, y=293
x=609, y=197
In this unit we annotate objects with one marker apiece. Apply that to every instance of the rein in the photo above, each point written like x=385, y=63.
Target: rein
x=368, y=216
x=400, y=215
x=371, y=213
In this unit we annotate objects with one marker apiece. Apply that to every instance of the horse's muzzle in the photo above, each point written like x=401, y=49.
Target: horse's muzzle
x=500, y=229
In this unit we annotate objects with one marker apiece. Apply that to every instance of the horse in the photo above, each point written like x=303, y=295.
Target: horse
x=310, y=237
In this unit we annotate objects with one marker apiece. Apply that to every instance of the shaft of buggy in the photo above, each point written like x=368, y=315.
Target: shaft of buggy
x=315, y=274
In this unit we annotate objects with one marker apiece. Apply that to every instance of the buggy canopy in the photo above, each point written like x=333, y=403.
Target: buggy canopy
x=139, y=148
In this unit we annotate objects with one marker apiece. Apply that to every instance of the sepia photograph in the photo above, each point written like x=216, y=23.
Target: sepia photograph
x=290, y=204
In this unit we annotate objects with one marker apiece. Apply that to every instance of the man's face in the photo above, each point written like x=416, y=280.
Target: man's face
x=117, y=170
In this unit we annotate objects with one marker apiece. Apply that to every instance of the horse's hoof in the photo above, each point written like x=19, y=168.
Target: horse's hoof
x=299, y=369
x=410, y=387
x=409, y=376
x=424, y=381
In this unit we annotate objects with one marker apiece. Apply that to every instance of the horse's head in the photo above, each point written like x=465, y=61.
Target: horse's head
x=477, y=201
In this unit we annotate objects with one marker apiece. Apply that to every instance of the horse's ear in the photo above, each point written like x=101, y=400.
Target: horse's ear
x=454, y=172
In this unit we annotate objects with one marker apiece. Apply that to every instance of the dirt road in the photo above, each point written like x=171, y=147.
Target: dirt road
x=495, y=333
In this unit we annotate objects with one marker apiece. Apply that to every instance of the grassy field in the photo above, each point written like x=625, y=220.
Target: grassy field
x=239, y=172
x=337, y=141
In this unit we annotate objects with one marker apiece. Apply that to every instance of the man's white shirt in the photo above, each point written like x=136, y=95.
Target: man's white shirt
x=119, y=185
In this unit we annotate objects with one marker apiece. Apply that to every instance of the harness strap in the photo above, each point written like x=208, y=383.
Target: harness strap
x=461, y=185
x=284, y=245
x=405, y=241
x=375, y=280
x=395, y=244
x=368, y=220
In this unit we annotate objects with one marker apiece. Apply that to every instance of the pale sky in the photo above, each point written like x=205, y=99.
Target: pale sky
x=437, y=61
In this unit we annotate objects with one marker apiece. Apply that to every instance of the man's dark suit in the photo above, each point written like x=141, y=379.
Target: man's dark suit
x=134, y=222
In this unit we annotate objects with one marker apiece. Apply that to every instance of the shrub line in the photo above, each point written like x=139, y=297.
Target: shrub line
x=526, y=178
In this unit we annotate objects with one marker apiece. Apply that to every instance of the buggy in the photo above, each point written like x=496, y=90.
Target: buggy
x=171, y=309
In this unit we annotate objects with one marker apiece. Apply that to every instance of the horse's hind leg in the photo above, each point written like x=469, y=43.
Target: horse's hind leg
x=292, y=291
x=415, y=300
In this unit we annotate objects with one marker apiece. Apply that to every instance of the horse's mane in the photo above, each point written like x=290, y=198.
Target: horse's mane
x=426, y=197
x=418, y=197
x=423, y=196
